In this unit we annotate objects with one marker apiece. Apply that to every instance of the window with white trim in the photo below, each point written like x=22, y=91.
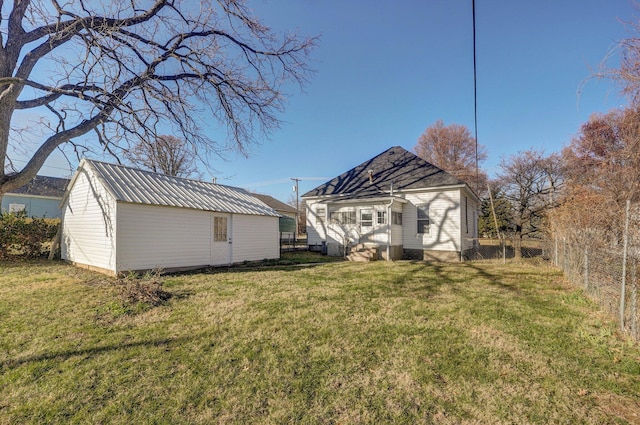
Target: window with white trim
x=396, y=217
x=366, y=218
x=343, y=217
x=382, y=217
x=321, y=214
x=16, y=208
x=466, y=214
x=423, y=218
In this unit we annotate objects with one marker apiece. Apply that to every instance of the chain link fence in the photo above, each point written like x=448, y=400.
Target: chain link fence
x=509, y=248
x=606, y=273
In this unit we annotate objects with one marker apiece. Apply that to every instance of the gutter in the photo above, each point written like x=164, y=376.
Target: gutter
x=389, y=222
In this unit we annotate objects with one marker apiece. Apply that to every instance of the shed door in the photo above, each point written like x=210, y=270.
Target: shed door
x=221, y=240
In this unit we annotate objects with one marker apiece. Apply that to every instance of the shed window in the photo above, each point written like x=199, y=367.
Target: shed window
x=219, y=229
x=423, y=219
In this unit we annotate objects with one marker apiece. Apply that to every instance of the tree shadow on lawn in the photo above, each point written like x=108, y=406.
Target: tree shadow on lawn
x=252, y=266
x=427, y=284
x=496, y=280
x=90, y=351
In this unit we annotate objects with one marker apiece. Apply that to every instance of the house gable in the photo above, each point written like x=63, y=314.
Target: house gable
x=395, y=166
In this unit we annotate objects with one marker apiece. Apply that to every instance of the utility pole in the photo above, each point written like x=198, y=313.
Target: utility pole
x=295, y=189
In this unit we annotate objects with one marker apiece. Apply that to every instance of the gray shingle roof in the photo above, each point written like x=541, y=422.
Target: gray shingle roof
x=128, y=184
x=44, y=186
x=395, y=165
x=275, y=203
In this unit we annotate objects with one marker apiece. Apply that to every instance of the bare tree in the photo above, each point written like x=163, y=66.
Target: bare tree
x=530, y=182
x=603, y=172
x=125, y=70
x=453, y=149
x=626, y=74
x=605, y=155
x=167, y=155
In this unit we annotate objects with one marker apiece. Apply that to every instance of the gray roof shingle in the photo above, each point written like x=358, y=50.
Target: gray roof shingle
x=275, y=203
x=395, y=165
x=128, y=184
x=44, y=186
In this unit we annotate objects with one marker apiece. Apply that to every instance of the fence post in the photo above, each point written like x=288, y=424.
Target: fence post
x=624, y=265
x=634, y=301
x=586, y=268
x=564, y=254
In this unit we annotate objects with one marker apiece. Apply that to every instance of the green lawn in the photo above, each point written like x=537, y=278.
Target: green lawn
x=348, y=343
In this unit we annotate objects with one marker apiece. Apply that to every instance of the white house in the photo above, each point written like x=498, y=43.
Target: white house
x=393, y=206
x=38, y=198
x=116, y=219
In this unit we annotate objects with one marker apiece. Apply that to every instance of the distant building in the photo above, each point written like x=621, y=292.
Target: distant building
x=287, y=212
x=39, y=198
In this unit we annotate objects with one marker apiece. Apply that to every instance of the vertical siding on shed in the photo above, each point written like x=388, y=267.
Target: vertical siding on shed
x=88, y=224
x=255, y=238
x=151, y=236
x=444, y=215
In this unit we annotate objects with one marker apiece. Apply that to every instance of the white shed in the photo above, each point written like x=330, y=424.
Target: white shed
x=117, y=219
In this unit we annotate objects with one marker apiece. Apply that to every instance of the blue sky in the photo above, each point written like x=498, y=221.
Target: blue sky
x=386, y=70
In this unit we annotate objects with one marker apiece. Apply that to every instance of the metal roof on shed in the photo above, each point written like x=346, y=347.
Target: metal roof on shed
x=136, y=186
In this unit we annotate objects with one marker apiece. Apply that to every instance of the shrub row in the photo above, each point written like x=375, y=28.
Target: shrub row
x=25, y=237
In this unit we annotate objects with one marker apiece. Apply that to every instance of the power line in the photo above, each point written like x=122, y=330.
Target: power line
x=475, y=88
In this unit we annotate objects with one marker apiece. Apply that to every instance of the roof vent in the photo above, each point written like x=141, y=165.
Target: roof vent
x=370, y=176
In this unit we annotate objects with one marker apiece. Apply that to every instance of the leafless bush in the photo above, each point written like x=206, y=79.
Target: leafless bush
x=145, y=289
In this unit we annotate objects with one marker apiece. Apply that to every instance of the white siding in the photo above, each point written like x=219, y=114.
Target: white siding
x=89, y=225
x=471, y=231
x=255, y=238
x=152, y=236
x=316, y=229
x=444, y=215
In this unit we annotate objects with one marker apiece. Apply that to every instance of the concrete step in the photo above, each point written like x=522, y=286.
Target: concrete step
x=359, y=258
x=362, y=252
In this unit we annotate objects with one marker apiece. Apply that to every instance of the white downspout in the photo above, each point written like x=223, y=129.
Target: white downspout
x=389, y=224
